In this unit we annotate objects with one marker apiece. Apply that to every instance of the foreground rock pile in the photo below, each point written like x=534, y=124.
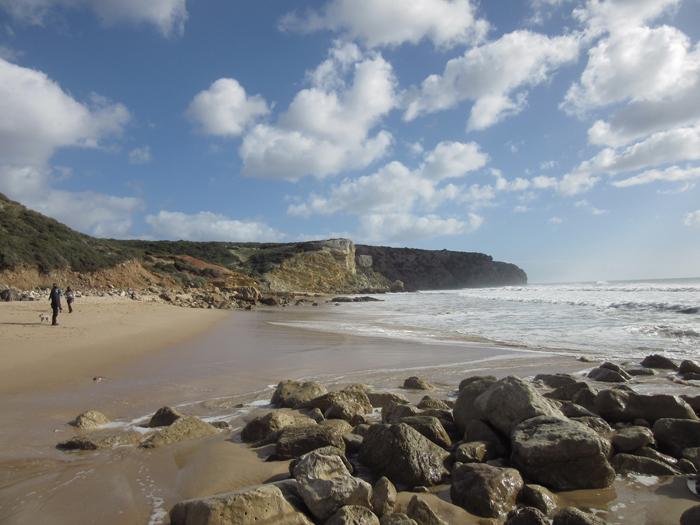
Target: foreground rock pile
x=503, y=447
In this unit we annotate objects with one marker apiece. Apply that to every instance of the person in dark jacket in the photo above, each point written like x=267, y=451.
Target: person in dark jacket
x=55, y=299
x=70, y=297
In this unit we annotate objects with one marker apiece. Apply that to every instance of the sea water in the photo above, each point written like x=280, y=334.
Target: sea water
x=611, y=320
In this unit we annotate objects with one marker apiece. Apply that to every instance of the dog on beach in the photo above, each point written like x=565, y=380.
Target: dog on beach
x=44, y=317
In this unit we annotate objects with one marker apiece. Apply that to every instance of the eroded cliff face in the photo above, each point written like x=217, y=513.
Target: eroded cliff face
x=342, y=267
x=332, y=269
x=440, y=270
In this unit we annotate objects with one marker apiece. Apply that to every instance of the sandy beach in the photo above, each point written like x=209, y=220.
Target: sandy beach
x=220, y=366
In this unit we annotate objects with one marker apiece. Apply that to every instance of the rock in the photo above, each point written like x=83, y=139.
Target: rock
x=249, y=506
x=415, y=383
x=622, y=406
x=326, y=485
x=291, y=393
x=471, y=388
x=476, y=452
x=9, y=294
x=606, y=375
x=540, y=498
x=616, y=368
x=353, y=515
x=556, y=380
x=571, y=410
x=625, y=463
x=428, y=403
x=90, y=420
x=183, y=429
x=526, y=516
x=352, y=443
x=396, y=287
x=691, y=376
x=325, y=401
x=324, y=451
x=297, y=441
x=631, y=438
x=585, y=397
x=349, y=411
x=562, y=454
x=687, y=466
x=693, y=401
x=567, y=392
x=641, y=371
x=478, y=430
x=396, y=519
x=484, y=490
x=574, y=516
x=260, y=427
x=692, y=454
x=675, y=435
x=421, y=512
x=383, y=497
x=659, y=361
x=339, y=426
x=510, y=401
x=392, y=412
x=689, y=366
x=403, y=455
x=100, y=441
x=381, y=399
x=597, y=424
x=165, y=417
x=429, y=427
x=691, y=516
x=651, y=453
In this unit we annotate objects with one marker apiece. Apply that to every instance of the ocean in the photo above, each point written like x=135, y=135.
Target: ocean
x=607, y=320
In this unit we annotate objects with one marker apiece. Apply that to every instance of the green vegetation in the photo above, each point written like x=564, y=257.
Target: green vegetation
x=31, y=238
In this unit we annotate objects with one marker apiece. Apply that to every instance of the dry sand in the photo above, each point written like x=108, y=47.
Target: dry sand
x=218, y=366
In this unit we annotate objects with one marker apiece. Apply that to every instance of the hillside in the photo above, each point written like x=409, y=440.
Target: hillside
x=36, y=250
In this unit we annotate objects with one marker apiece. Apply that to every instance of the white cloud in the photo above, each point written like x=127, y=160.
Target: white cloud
x=37, y=116
x=555, y=220
x=672, y=174
x=521, y=209
x=405, y=227
x=490, y=74
x=169, y=16
x=140, y=155
x=207, y=226
x=225, y=109
x=326, y=128
x=389, y=23
x=692, y=219
x=588, y=207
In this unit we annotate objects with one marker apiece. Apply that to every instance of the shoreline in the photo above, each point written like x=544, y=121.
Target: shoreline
x=224, y=371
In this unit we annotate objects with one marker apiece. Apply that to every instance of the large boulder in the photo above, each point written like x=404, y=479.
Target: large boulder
x=510, y=401
x=381, y=399
x=416, y=383
x=526, y=516
x=471, y=388
x=421, y=512
x=478, y=430
x=475, y=452
x=325, y=401
x=90, y=420
x=574, y=516
x=568, y=391
x=561, y=454
x=383, y=497
x=659, y=361
x=605, y=375
x=184, y=429
x=691, y=516
x=484, y=490
x=297, y=441
x=429, y=427
x=291, y=393
x=250, y=506
x=349, y=411
x=274, y=421
x=540, y=498
x=392, y=412
x=326, y=485
x=403, y=455
x=631, y=438
x=556, y=380
x=626, y=463
x=164, y=417
x=688, y=366
x=353, y=515
x=9, y=294
x=622, y=406
x=431, y=403
x=675, y=435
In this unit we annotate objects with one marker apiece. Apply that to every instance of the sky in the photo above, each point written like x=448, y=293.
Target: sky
x=559, y=135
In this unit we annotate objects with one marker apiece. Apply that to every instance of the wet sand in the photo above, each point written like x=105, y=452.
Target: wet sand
x=237, y=361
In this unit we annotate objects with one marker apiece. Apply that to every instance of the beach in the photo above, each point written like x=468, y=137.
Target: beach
x=219, y=366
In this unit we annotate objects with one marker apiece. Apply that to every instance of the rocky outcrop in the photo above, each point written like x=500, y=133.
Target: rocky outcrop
x=486, y=491
x=440, y=270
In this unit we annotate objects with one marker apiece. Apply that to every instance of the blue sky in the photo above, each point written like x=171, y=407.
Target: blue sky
x=560, y=135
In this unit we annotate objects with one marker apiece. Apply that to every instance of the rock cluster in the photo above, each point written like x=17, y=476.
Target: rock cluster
x=501, y=447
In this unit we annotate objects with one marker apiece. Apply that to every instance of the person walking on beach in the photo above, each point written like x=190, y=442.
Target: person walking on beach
x=70, y=297
x=55, y=299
